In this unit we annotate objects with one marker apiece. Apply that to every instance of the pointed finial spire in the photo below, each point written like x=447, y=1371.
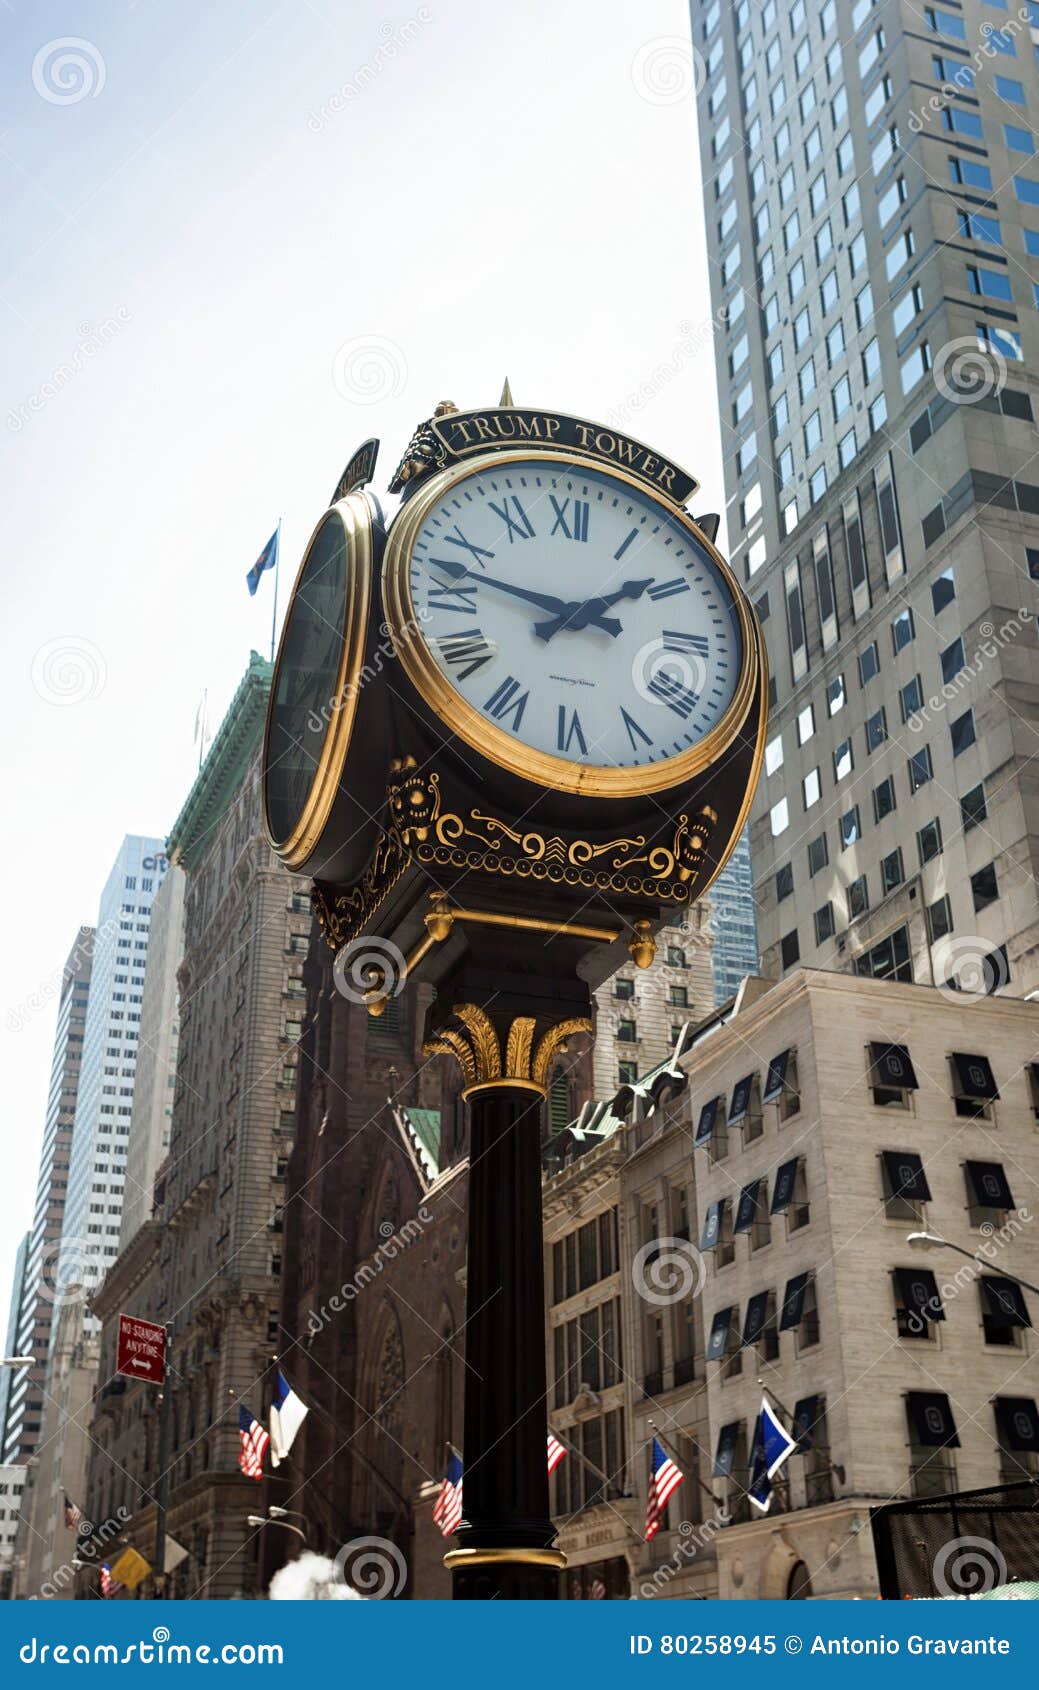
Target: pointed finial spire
x=506, y=399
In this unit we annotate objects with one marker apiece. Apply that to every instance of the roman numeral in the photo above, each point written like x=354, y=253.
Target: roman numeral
x=517, y=525
x=468, y=652
x=667, y=589
x=670, y=691
x=570, y=730
x=462, y=600
x=676, y=641
x=633, y=729
x=503, y=702
x=574, y=526
x=478, y=553
x=622, y=548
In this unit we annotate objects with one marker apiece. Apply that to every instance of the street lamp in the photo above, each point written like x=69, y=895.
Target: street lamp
x=934, y=1241
x=272, y=1520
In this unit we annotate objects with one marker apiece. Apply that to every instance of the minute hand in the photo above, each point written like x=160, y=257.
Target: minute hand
x=542, y=601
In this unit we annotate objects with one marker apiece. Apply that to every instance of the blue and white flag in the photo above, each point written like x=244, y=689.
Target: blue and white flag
x=266, y=560
x=287, y=1416
x=772, y=1446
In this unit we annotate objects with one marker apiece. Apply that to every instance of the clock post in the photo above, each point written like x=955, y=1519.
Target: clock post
x=567, y=723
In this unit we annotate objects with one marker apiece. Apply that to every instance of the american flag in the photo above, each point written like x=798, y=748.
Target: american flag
x=254, y=1444
x=73, y=1515
x=108, y=1583
x=556, y=1453
x=447, y=1511
x=664, y=1477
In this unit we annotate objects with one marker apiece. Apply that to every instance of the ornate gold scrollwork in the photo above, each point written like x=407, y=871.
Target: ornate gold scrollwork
x=477, y=1047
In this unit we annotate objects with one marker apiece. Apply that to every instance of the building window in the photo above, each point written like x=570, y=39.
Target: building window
x=891, y=871
x=903, y=629
x=779, y=818
x=952, y=660
x=869, y=663
x=627, y=1073
x=961, y=732
x=850, y=827
x=984, y=886
x=784, y=882
x=678, y=996
x=910, y=698
x=929, y=841
x=818, y=854
x=905, y=1186
x=858, y=897
x=943, y=590
x=843, y=760
x=883, y=799
x=920, y=768
x=890, y=959
x=939, y=919
x=876, y=729
x=824, y=923
x=790, y=949
x=836, y=695
x=626, y=1032
x=973, y=808
x=676, y=956
x=623, y=988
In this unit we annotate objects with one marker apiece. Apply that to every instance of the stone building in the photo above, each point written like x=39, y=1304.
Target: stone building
x=209, y=1261
x=638, y=1012
x=825, y=1120
x=59, y=1467
x=371, y=1299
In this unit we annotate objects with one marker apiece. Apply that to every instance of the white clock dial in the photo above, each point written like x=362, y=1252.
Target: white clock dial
x=576, y=614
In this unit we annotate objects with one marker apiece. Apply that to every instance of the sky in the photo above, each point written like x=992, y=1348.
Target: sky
x=235, y=241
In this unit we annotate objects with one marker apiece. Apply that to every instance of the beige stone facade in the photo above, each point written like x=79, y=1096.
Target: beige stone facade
x=852, y=1344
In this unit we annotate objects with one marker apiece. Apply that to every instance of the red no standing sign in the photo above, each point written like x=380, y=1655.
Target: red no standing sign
x=141, y=1352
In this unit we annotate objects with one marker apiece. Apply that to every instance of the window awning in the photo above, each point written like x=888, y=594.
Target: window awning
x=740, y=1101
x=808, y=1412
x=891, y=1065
x=918, y=1294
x=989, y=1184
x=712, y=1224
x=747, y=1207
x=725, y=1454
x=718, y=1341
x=794, y=1301
x=930, y=1420
x=905, y=1175
x=974, y=1077
x=754, y=1324
x=1018, y=1422
x=783, y=1190
x=1004, y=1301
x=776, y=1077
x=705, y=1125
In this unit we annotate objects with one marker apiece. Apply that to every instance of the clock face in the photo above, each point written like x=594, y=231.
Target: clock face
x=314, y=694
x=576, y=615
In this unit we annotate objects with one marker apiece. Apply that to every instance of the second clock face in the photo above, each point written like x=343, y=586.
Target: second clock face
x=576, y=613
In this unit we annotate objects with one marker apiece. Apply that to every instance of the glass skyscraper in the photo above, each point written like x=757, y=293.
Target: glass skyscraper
x=871, y=184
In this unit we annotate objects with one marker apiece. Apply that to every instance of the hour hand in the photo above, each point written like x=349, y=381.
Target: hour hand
x=578, y=616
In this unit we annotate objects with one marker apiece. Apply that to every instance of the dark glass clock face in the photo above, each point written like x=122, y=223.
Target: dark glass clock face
x=305, y=685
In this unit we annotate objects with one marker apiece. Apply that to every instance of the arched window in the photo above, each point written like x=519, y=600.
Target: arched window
x=799, y=1583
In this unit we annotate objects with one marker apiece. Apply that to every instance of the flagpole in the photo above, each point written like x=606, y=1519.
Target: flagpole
x=162, y=1494
x=277, y=567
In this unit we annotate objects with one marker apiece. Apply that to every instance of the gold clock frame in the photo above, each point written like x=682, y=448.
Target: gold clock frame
x=355, y=513
x=541, y=767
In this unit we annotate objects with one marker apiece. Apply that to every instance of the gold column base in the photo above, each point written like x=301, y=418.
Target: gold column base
x=491, y=1557
x=505, y=1084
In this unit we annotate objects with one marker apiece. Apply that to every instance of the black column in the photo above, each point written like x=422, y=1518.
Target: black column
x=505, y=1482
